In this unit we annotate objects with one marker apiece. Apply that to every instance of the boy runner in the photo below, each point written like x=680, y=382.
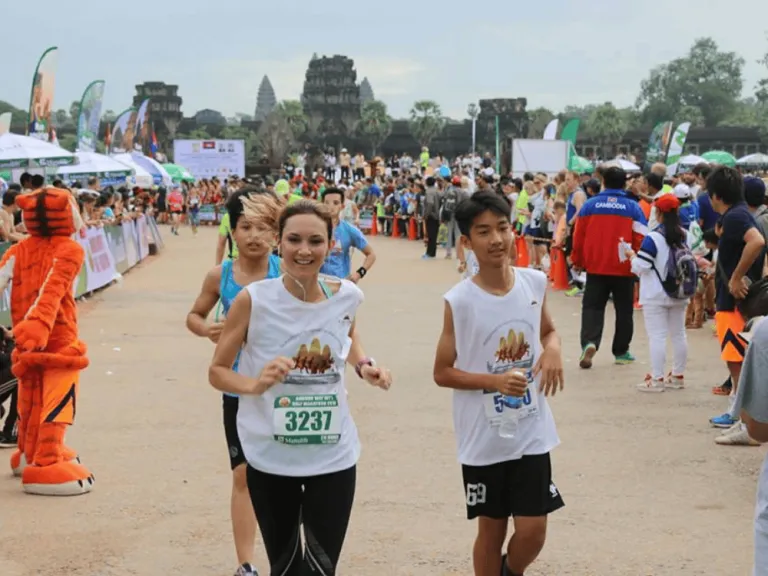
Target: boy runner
x=254, y=230
x=499, y=340
x=345, y=236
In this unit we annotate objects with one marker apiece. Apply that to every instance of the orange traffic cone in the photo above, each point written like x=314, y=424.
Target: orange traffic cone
x=412, y=233
x=396, y=226
x=522, y=252
x=559, y=269
x=374, y=226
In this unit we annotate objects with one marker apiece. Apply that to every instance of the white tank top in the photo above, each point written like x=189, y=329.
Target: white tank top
x=495, y=334
x=301, y=427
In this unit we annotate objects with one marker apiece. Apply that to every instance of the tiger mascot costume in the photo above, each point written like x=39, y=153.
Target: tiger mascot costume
x=49, y=356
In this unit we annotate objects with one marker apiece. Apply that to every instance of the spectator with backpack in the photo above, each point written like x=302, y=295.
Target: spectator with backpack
x=668, y=279
x=452, y=195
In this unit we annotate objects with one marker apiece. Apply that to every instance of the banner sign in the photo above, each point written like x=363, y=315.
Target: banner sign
x=41, y=100
x=109, y=251
x=89, y=117
x=658, y=143
x=122, y=132
x=676, y=147
x=209, y=158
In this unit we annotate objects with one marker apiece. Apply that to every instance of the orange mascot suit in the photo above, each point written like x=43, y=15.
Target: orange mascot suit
x=49, y=356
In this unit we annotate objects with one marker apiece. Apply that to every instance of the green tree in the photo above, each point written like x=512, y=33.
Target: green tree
x=538, y=120
x=761, y=92
x=426, y=121
x=61, y=118
x=275, y=138
x=749, y=113
x=705, y=78
x=606, y=126
x=68, y=142
x=199, y=134
x=375, y=123
x=293, y=113
x=109, y=116
x=74, y=112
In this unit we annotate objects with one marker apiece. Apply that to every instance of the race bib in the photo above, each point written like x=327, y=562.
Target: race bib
x=494, y=404
x=307, y=419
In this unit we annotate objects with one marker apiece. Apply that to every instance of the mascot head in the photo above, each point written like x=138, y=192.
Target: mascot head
x=50, y=212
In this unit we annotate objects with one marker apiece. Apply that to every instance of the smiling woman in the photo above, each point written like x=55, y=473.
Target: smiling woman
x=293, y=335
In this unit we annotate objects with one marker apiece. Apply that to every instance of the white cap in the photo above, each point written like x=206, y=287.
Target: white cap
x=683, y=192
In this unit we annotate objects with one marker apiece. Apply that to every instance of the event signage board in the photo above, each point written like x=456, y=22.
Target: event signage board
x=209, y=158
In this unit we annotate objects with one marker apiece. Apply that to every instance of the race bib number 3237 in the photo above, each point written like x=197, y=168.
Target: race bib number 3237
x=307, y=419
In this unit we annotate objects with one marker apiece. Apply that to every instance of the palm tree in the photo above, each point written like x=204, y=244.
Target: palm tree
x=293, y=113
x=426, y=121
x=375, y=123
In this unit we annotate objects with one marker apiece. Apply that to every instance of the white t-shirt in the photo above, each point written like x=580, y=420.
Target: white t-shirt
x=496, y=334
x=311, y=402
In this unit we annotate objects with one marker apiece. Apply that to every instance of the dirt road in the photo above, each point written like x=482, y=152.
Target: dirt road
x=647, y=491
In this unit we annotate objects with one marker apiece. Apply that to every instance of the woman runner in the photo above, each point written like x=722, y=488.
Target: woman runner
x=294, y=335
x=253, y=216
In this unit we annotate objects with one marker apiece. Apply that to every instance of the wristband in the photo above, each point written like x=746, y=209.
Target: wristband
x=362, y=272
x=363, y=362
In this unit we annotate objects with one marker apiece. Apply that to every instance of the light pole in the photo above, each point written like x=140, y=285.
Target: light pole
x=473, y=113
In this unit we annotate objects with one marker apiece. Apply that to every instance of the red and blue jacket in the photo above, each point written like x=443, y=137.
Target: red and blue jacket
x=603, y=221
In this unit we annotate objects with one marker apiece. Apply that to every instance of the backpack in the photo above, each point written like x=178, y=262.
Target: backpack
x=680, y=274
x=450, y=200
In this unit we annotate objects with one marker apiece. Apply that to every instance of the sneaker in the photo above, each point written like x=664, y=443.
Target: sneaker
x=736, y=435
x=8, y=440
x=651, y=384
x=575, y=291
x=585, y=361
x=624, y=359
x=674, y=382
x=723, y=421
x=427, y=257
x=246, y=570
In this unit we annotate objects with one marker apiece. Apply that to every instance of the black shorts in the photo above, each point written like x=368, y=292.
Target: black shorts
x=236, y=456
x=521, y=487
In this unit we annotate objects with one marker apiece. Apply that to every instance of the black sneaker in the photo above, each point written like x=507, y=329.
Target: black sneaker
x=8, y=440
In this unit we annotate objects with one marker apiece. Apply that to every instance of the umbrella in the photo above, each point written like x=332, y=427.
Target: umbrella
x=109, y=170
x=17, y=151
x=719, y=157
x=692, y=160
x=165, y=178
x=580, y=164
x=754, y=160
x=178, y=173
x=141, y=176
x=626, y=165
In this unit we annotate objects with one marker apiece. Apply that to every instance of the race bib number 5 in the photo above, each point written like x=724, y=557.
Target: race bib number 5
x=307, y=419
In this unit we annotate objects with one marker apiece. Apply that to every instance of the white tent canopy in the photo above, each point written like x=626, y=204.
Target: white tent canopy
x=91, y=163
x=622, y=163
x=753, y=160
x=159, y=174
x=17, y=151
x=141, y=177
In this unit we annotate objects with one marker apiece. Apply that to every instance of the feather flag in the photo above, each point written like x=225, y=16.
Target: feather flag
x=153, y=145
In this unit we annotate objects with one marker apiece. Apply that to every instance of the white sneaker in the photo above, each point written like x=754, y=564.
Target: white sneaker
x=651, y=384
x=736, y=435
x=674, y=382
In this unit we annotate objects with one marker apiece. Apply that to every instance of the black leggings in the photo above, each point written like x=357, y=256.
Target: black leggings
x=323, y=504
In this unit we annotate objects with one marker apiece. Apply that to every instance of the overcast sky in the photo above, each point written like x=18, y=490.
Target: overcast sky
x=553, y=52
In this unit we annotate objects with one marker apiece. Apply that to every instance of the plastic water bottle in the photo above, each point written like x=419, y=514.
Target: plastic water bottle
x=510, y=416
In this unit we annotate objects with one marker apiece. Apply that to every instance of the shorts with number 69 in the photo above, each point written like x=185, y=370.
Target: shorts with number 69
x=521, y=487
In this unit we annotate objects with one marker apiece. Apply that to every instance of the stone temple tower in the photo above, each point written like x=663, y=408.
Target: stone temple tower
x=366, y=92
x=265, y=101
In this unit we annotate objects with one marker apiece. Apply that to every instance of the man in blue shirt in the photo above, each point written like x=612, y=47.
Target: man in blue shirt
x=345, y=237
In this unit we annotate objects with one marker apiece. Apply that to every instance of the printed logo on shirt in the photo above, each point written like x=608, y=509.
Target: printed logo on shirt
x=315, y=364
